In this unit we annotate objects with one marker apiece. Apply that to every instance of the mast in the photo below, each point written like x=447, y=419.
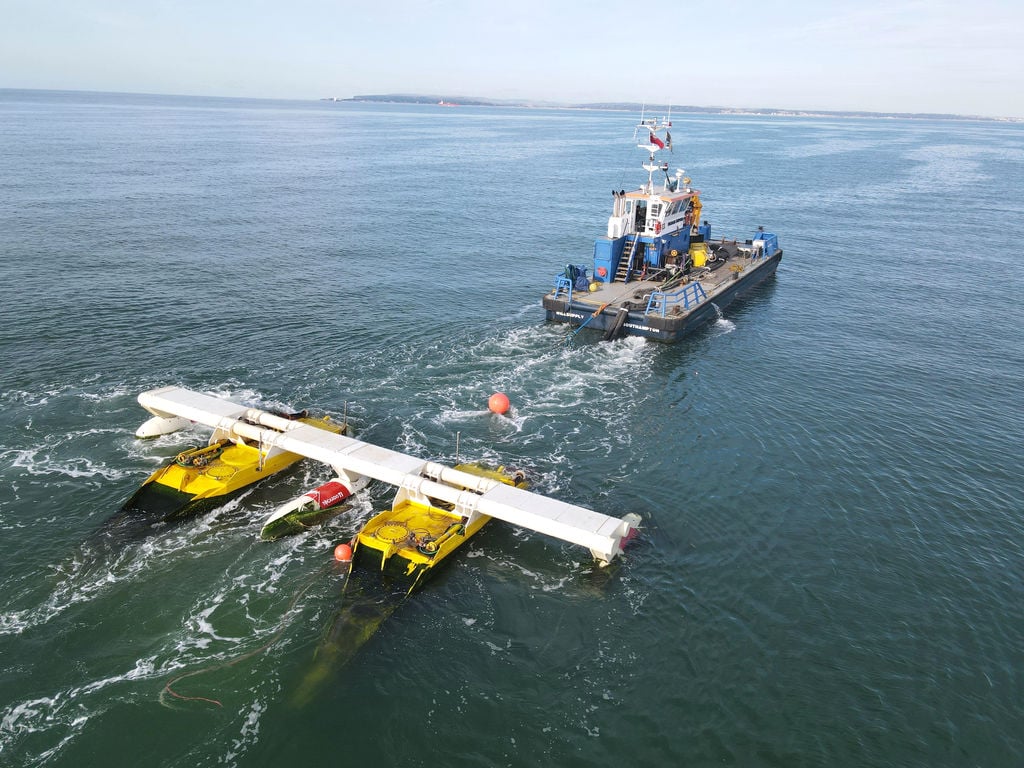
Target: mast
x=653, y=126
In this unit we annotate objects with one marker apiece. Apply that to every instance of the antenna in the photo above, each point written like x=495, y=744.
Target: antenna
x=636, y=130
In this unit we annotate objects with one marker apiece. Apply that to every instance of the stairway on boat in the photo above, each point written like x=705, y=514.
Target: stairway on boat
x=625, y=263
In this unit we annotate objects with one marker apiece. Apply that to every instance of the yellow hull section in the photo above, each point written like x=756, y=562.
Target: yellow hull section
x=411, y=538
x=420, y=536
x=226, y=467
x=235, y=468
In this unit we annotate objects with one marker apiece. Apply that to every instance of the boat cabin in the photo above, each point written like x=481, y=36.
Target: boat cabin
x=649, y=229
x=638, y=212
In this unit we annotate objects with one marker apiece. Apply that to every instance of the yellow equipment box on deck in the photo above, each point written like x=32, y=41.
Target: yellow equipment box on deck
x=699, y=254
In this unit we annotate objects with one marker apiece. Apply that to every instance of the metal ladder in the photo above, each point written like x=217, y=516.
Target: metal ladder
x=625, y=270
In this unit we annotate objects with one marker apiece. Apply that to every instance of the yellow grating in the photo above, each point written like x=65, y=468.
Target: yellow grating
x=391, y=532
x=221, y=471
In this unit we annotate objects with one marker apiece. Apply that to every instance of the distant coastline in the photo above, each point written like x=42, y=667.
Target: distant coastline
x=446, y=100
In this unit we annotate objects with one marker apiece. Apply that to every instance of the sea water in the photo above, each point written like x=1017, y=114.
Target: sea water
x=829, y=569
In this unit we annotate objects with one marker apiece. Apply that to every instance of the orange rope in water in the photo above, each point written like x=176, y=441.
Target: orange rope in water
x=168, y=686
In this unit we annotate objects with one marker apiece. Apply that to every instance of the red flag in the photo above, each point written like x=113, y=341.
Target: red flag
x=656, y=140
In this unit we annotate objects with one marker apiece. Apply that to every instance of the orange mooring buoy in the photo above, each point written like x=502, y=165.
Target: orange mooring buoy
x=343, y=553
x=498, y=403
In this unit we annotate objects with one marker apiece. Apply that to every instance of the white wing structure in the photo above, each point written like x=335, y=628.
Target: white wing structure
x=354, y=460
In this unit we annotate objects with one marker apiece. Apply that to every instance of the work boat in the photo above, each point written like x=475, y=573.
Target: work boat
x=202, y=477
x=658, y=273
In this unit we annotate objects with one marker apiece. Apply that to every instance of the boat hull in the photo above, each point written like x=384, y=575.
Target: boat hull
x=669, y=328
x=202, y=478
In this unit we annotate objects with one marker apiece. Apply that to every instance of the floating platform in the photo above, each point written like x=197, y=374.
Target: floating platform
x=418, y=481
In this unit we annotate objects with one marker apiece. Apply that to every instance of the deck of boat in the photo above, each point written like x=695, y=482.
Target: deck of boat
x=665, y=305
x=634, y=295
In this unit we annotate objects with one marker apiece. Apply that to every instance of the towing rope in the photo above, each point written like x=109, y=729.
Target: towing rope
x=571, y=336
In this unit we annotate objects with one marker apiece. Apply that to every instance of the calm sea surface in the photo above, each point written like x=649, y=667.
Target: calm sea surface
x=830, y=571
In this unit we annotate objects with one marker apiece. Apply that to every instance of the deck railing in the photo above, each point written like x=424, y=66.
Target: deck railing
x=563, y=283
x=690, y=295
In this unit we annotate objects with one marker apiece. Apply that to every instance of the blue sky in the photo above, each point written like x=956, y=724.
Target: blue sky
x=898, y=56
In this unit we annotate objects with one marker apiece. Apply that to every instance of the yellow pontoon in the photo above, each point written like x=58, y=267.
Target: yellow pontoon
x=200, y=478
x=412, y=537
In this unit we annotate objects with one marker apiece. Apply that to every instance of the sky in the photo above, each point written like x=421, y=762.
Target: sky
x=934, y=56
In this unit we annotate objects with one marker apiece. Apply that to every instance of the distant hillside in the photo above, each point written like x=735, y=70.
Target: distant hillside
x=407, y=98
x=624, y=106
